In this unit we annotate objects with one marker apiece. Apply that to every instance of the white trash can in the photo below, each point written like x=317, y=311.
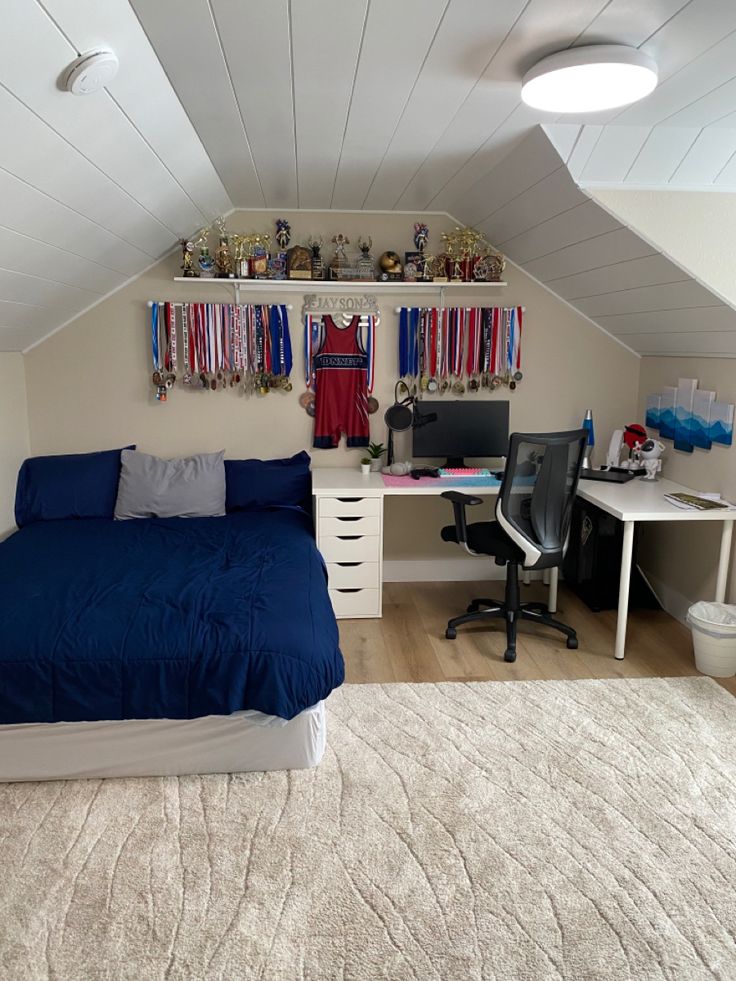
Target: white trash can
x=714, y=638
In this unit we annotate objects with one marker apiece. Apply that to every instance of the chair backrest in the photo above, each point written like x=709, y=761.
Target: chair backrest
x=535, y=499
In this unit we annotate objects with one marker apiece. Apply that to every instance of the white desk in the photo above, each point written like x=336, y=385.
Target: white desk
x=643, y=500
x=348, y=510
x=349, y=524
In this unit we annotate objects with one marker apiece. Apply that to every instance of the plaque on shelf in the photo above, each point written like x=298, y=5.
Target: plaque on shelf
x=299, y=263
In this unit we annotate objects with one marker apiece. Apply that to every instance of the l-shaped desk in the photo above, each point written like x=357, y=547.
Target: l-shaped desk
x=348, y=508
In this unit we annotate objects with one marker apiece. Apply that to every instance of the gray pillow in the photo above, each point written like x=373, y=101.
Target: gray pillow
x=189, y=487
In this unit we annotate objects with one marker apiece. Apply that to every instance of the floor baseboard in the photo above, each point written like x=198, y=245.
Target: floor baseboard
x=444, y=570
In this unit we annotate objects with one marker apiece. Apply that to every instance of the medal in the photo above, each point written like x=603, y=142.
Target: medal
x=372, y=405
x=518, y=376
x=495, y=382
x=432, y=385
x=458, y=388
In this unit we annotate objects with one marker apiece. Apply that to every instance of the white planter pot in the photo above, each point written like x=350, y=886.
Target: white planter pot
x=365, y=468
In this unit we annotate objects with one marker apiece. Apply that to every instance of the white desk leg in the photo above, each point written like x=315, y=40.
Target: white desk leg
x=552, y=595
x=623, y=590
x=724, y=560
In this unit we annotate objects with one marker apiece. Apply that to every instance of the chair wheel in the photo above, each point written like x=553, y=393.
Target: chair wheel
x=509, y=655
x=572, y=643
x=451, y=633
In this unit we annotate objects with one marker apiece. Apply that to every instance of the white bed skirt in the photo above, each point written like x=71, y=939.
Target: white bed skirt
x=233, y=743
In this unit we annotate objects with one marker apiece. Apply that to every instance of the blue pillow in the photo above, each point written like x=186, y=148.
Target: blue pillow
x=75, y=485
x=257, y=484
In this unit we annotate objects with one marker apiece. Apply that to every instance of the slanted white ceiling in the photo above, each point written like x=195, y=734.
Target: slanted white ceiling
x=343, y=104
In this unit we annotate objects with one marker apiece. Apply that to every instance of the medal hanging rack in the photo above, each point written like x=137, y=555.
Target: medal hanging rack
x=223, y=345
x=341, y=309
x=442, y=347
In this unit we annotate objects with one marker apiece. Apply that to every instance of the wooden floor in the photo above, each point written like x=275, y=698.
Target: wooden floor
x=408, y=643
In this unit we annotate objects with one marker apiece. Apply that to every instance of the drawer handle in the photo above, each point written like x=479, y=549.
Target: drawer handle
x=348, y=565
x=345, y=518
x=349, y=590
x=349, y=500
x=349, y=538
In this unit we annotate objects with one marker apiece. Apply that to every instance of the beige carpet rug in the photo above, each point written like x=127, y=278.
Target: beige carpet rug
x=534, y=830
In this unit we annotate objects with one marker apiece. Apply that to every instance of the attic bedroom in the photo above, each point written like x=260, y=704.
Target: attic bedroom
x=321, y=325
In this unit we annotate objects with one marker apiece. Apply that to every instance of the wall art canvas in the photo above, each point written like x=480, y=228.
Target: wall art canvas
x=684, y=413
x=667, y=413
x=700, y=423
x=690, y=416
x=721, y=423
x=653, y=408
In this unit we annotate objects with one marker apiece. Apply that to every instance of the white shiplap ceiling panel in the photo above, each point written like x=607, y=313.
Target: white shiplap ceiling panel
x=19, y=253
x=592, y=253
x=257, y=50
x=362, y=105
x=675, y=296
x=42, y=218
x=326, y=40
x=190, y=49
x=577, y=224
x=145, y=96
x=104, y=139
x=399, y=36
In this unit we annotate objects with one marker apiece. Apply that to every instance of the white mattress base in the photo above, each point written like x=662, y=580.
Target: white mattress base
x=234, y=743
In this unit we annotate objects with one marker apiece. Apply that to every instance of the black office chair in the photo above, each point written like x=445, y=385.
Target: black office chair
x=532, y=522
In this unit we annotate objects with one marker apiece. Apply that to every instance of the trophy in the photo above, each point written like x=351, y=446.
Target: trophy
x=240, y=260
x=421, y=236
x=187, y=257
x=315, y=246
x=223, y=256
x=206, y=262
x=365, y=260
x=283, y=233
x=340, y=259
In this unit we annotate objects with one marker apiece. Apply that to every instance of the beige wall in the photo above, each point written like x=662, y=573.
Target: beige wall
x=681, y=559
x=89, y=385
x=13, y=433
x=696, y=228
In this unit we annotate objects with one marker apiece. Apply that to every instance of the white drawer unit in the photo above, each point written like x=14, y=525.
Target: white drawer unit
x=350, y=538
x=348, y=507
x=354, y=575
x=350, y=525
x=356, y=602
x=348, y=548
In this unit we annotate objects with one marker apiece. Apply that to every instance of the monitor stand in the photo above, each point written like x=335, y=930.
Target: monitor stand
x=454, y=463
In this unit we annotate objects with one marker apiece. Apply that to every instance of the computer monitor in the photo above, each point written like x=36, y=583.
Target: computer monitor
x=472, y=429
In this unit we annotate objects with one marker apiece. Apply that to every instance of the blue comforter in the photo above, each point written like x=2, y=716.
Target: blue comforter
x=172, y=618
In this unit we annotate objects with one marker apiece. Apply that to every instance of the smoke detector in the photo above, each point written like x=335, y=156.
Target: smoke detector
x=91, y=71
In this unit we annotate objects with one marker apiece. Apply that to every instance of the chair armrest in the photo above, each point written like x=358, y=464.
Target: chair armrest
x=459, y=501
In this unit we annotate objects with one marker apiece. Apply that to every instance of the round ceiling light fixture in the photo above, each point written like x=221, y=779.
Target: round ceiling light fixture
x=91, y=71
x=589, y=79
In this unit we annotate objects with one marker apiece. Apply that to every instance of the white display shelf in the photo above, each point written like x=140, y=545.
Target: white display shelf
x=324, y=285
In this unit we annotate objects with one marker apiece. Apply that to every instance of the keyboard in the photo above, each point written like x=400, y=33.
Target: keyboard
x=465, y=472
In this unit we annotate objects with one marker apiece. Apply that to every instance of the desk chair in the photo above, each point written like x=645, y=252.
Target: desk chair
x=532, y=522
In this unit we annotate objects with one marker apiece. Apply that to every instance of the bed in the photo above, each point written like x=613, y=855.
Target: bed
x=161, y=646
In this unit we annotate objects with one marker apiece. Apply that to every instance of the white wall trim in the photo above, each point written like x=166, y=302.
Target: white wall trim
x=459, y=569
x=672, y=601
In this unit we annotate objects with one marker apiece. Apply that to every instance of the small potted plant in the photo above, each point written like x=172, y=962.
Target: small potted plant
x=365, y=465
x=375, y=452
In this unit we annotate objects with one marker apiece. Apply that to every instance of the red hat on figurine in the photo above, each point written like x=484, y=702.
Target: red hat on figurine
x=633, y=434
